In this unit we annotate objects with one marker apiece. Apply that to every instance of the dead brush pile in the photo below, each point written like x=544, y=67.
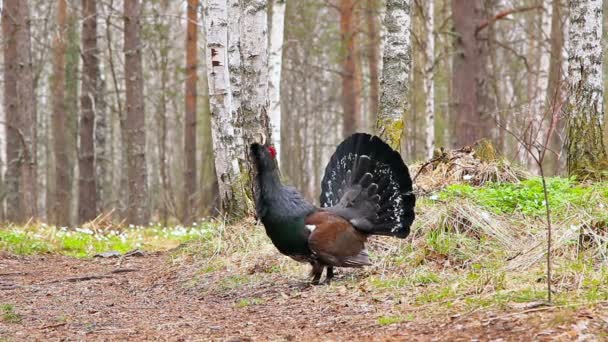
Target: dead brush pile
x=475, y=165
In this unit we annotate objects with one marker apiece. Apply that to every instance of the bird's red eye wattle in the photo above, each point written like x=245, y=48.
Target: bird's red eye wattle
x=273, y=151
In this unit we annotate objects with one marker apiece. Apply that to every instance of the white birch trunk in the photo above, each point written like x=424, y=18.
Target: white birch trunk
x=225, y=147
x=275, y=58
x=253, y=116
x=396, y=66
x=429, y=81
x=539, y=115
x=585, y=142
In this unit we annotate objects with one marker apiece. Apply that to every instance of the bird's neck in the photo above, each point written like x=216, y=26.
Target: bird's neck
x=270, y=183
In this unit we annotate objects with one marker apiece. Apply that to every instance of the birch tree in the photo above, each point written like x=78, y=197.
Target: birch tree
x=275, y=58
x=585, y=144
x=429, y=81
x=225, y=146
x=396, y=66
x=253, y=116
x=539, y=116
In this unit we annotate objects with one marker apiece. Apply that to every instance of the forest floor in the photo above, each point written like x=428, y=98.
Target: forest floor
x=473, y=268
x=149, y=297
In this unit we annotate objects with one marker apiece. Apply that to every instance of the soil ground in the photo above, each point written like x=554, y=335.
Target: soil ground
x=151, y=297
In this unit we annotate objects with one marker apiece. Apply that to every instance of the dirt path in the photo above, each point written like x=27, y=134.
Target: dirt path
x=147, y=298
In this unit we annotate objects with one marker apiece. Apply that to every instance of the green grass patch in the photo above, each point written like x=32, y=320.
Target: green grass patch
x=245, y=302
x=527, y=197
x=388, y=320
x=8, y=314
x=84, y=242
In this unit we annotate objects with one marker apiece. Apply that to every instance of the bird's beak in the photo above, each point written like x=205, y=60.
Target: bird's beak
x=263, y=139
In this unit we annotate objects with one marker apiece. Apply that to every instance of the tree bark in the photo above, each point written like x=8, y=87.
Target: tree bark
x=351, y=76
x=87, y=185
x=275, y=58
x=190, y=180
x=134, y=128
x=428, y=78
x=540, y=116
x=373, y=55
x=225, y=142
x=13, y=144
x=62, y=194
x=19, y=100
x=396, y=67
x=585, y=143
x=471, y=122
x=253, y=116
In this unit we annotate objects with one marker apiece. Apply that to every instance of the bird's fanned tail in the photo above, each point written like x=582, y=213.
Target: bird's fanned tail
x=367, y=183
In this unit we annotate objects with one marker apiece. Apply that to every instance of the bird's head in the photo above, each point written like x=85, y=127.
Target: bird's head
x=264, y=157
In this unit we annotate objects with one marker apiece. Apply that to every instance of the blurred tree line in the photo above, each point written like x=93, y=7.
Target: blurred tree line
x=106, y=105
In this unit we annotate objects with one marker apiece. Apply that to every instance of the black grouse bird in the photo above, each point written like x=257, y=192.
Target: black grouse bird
x=366, y=190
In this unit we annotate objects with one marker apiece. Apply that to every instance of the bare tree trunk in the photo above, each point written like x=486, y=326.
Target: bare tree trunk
x=19, y=100
x=540, y=119
x=555, y=87
x=351, y=81
x=428, y=78
x=190, y=186
x=13, y=144
x=373, y=54
x=253, y=117
x=87, y=186
x=396, y=67
x=225, y=145
x=61, y=203
x=72, y=100
x=275, y=58
x=134, y=128
x=585, y=143
x=468, y=78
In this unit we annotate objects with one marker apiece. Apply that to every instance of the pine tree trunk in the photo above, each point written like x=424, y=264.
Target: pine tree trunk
x=585, y=144
x=61, y=203
x=134, y=128
x=373, y=55
x=190, y=180
x=275, y=58
x=87, y=185
x=225, y=141
x=13, y=144
x=20, y=100
x=351, y=81
x=396, y=67
x=429, y=80
x=72, y=62
x=468, y=78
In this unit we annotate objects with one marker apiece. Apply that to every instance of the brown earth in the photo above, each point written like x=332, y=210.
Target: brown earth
x=152, y=297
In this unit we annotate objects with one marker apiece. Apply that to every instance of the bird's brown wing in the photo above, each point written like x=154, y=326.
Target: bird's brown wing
x=335, y=241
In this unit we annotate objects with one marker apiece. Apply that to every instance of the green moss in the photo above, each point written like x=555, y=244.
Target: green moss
x=391, y=131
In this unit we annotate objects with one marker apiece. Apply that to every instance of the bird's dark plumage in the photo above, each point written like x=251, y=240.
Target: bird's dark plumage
x=366, y=190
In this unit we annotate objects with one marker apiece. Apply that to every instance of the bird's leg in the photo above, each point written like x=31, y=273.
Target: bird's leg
x=330, y=274
x=317, y=270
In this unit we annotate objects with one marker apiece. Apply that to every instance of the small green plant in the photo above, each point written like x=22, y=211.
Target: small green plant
x=245, y=302
x=9, y=315
x=388, y=320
